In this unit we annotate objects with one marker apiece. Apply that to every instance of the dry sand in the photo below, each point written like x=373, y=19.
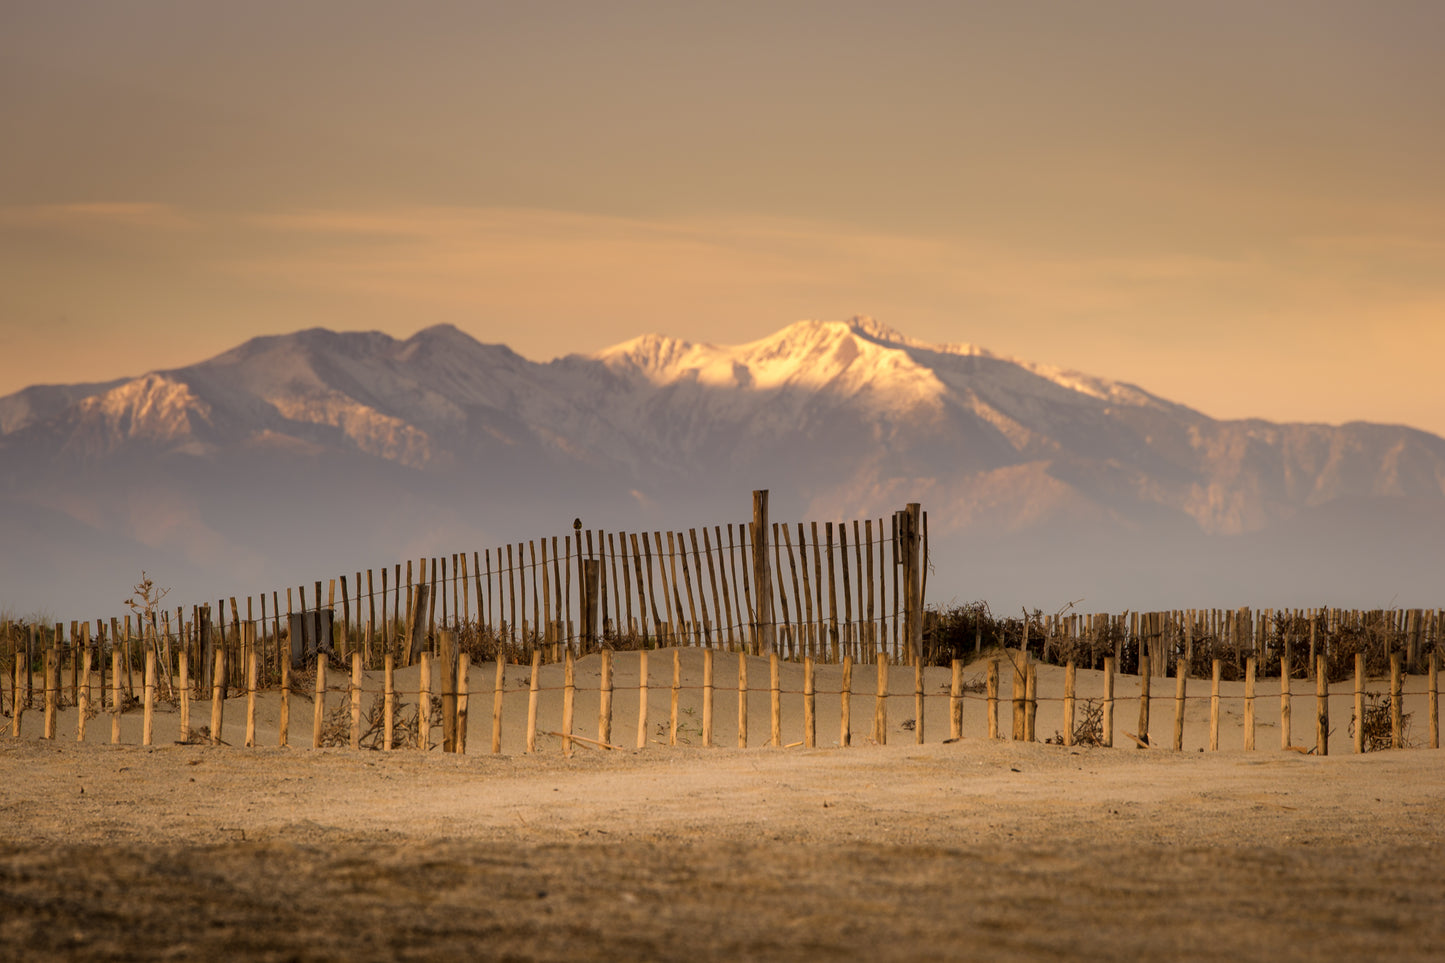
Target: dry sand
x=974, y=849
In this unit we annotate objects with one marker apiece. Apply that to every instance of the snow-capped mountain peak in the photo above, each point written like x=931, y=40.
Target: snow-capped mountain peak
x=842, y=418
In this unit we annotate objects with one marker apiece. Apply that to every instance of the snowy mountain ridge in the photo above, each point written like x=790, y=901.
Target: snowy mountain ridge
x=442, y=434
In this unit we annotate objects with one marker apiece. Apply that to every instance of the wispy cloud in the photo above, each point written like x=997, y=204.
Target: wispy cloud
x=156, y=217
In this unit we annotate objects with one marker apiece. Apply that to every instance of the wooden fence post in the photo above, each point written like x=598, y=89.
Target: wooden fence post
x=115, y=703
x=1359, y=735
x=318, y=704
x=356, y=679
x=880, y=702
x=1031, y=700
x=762, y=576
x=1144, y=698
x=1070, y=681
x=1019, y=684
x=845, y=707
x=918, y=702
x=1181, y=684
x=992, y=696
x=909, y=534
x=388, y=732
x=464, y=688
x=251, y=698
x=642, y=696
x=1285, y=712
x=569, y=694
x=591, y=610
x=1397, y=719
x=1250, y=669
x=17, y=708
x=52, y=684
x=604, y=700
x=533, y=692
x=1322, y=706
x=1216, y=671
x=84, y=697
x=1109, y=700
x=955, y=699
x=742, y=699
x=416, y=622
x=218, y=694
x=810, y=716
x=447, y=655
x=676, y=691
x=775, y=714
x=148, y=723
x=284, y=719
x=423, y=703
x=707, y=687
x=1435, y=691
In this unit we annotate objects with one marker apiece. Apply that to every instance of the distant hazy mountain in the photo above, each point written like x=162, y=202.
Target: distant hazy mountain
x=312, y=454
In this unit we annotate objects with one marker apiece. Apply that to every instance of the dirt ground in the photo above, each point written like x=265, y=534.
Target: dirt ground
x=974, y=849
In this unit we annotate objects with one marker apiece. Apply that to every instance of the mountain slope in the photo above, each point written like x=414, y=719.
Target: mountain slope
x=320, y=450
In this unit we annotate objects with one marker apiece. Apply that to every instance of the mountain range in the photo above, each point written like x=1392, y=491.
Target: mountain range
x=302, y=456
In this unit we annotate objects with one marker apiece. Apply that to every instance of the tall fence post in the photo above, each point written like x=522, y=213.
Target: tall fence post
x=591, y=610
x=908, y=534
x=762, y=575
x=448, y=656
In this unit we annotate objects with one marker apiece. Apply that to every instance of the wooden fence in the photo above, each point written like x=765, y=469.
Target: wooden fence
x=850, y=594
x=592, y=589
x=791, y=703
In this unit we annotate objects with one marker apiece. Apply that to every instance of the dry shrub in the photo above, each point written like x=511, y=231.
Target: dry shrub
x=336, y=728
x=1376, y=728
x=1089, y=726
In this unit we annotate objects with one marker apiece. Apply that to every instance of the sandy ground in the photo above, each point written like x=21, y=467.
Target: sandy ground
x=973, y=849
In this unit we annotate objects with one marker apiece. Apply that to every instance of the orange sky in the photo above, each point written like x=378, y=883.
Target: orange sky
x=1235, y=205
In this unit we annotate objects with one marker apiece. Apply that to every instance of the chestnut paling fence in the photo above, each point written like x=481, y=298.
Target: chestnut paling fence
x=443, y=704
x=844, y=593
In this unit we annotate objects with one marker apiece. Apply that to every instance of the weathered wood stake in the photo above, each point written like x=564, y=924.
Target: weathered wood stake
x=810, y=709
x=992, y=698
x=356, y=677
x=1285, y=713
x=1181, y=685
x=707, y=687
x=1250, y=668
x=84, y=697
x=464, y=689
x=604, y=699
x=52, y=685
x=955, y=699
x=1359, y=734
x=775, y=711
x=423, y=703
x=917, y=697
x=250, y=657
x=642, y=696
x=1071, y=672
x=533, y=690
x=388, y=732
x=1397, y=718
x=742, y=700
x=218, y=695
x=1144, y=700
x=1216, y=670
x=880, y=702
x=1109, y=700
x=318, y=701
x=569, y=695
